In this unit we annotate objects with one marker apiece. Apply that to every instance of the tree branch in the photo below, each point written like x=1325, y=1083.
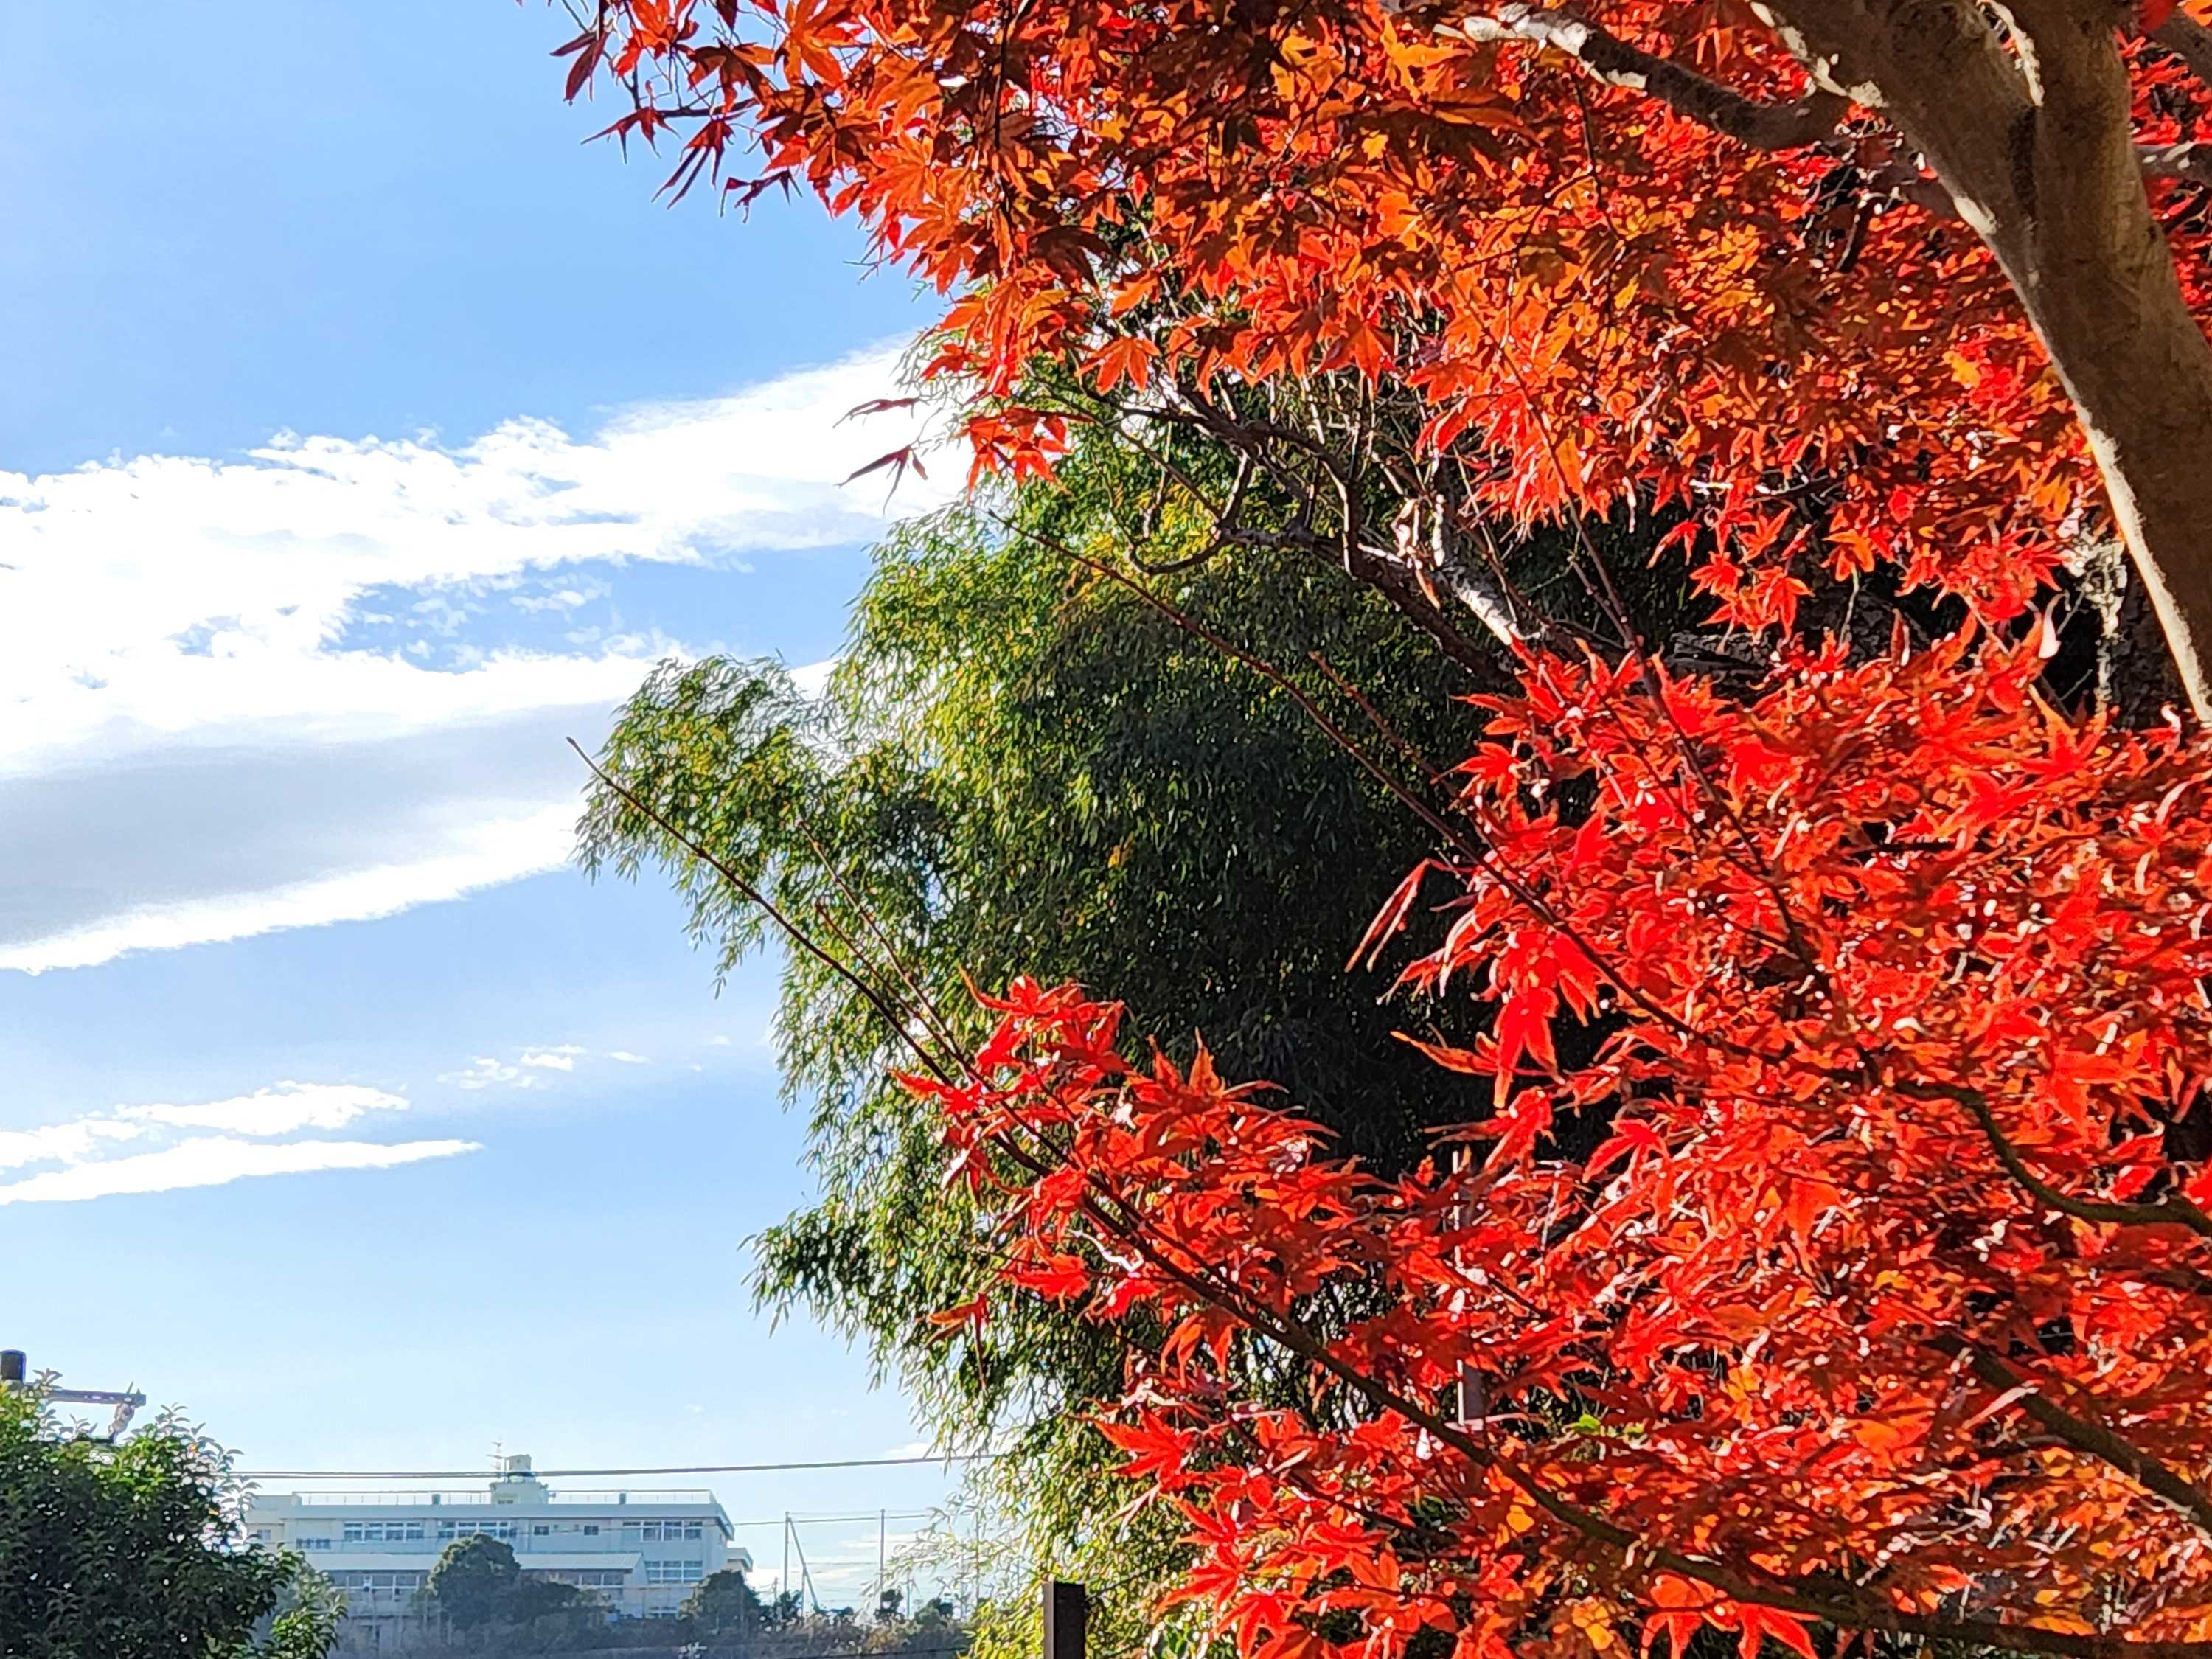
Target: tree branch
x=2176, y=1209
x=893, y=1022
x=2191, y=162
x=2189, y=40
x=2085, y=1436
x=1609, y=59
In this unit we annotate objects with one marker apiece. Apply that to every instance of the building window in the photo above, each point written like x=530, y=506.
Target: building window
x=674, y=1572
x=668, y=1532
x=313, y=1543
x=541, y=1530
x=379, y=1583
x=591, y=1530
x=385, y=1532
x=475, y=1529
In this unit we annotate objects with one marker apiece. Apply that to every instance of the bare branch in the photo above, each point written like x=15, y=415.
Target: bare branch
x=1609, y=59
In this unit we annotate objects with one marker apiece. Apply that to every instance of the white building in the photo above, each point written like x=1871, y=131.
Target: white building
x=640, y=1553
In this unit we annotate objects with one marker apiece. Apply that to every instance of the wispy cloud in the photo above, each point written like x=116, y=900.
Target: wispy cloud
x=149, y=1148
x=534, y=1066
x=217, y=1161
x=201, y=745
x=462, y=859
x=283, y=1110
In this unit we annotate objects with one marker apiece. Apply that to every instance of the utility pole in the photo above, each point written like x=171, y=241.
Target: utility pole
x=883, y=1583
x=806, y=1573
x=783, y=1585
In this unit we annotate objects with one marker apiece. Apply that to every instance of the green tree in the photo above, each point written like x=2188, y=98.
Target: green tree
x=1019, y=765
x=130, y=1549
x=475, y=1581
x=555, y=1617
x=724, y=1604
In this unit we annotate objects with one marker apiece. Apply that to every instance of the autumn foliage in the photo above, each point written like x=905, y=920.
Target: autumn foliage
x=1881, y=1298
x=1604, y=302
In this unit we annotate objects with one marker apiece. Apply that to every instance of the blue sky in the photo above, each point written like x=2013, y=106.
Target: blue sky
x=365, y=433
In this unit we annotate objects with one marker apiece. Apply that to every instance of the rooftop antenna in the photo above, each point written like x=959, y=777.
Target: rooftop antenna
x=14, y=1374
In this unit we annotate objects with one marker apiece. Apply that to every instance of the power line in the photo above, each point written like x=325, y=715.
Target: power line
x=579, y=1474
x=795, y=1517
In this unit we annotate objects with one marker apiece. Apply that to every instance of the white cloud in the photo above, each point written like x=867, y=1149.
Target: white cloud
x=472, y=856
x=200, y=745
x=528, y=1069
x=67, y=1143
x=485, y=1072
x=215, y=1161
x=249, y=1139
x=283, y=1110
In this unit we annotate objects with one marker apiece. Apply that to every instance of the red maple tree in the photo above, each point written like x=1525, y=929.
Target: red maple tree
x=1885, y=1300
x=1941, y=274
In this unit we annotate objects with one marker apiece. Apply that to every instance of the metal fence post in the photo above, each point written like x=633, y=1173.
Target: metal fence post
x=1066, y=1619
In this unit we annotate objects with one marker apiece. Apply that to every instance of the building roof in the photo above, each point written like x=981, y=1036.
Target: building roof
x=465, y=1505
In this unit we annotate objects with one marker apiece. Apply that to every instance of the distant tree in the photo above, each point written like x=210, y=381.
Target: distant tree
x=481, y=1588
x=553, y=1616
x=724, y=1604
x=476, y=1582
x=130, y=1549
x=532, y=1600
x=787, y=1609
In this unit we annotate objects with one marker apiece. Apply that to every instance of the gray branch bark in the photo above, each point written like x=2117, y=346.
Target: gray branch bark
x=2035, y=140
x=1608, y=58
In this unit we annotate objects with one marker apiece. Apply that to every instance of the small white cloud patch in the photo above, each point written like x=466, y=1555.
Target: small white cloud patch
x=485, y=1072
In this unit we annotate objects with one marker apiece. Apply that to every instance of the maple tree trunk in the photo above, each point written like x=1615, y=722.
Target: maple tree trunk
x=2098, y=282
x=2038, y=154
x=2140, y=372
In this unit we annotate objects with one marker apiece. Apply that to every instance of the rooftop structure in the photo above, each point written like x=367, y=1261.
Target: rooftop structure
x=638, y=1553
